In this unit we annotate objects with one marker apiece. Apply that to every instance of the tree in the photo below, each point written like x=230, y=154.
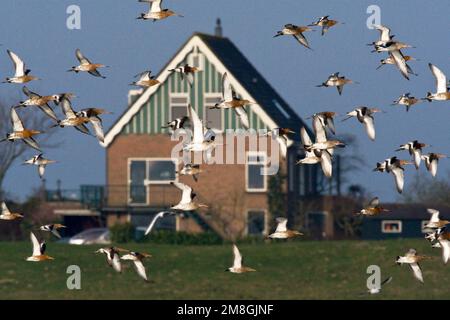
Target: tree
x=428, y=190
x=11, y=151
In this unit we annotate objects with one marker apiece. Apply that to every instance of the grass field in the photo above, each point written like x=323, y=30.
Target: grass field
x=293, y=270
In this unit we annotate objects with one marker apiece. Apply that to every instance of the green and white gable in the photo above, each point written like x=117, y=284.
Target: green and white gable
x=160, y=104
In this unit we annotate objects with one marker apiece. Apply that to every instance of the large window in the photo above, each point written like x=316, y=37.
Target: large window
x=256, y=222
x=213, y=117
x=137, y=189
x=141, y=221
x=256, y=179
x=178, y=106
x=144, y=172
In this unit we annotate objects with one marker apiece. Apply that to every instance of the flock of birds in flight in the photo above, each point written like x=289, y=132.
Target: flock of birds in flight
x=320, y=151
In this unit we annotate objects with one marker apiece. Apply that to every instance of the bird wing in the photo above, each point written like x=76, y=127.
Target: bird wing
x=115, y=261
x=282, y=225
x=197, y=124
x=186, y=196
x=400, y=62
x=399, y=178
x=81, y=57
x=384, y=32
x=370, y=128
x=56, y=233
x=302, y=40
x=417, y=158
x=417, y=271
x=29, y=93
x=386, y=281
x=319, y=129
x=15, y=120
x=41, y=170
x=374, y=202
x=237, y=263
x=306, y=140
x=36, y=245
x=96, y=73
x=156, y=6
x=159, y=215
x=326, y=163
x=5, y=210
x=242, y=113
x=98, y=128
x=441, y=79
x=433, y=167
x=67, y=109
x=32, y=143
x=18, y=64
x=140, y=269
x=445, y=244
x=144, y=75
x=434, y=215
x=227, y=92
x=83, y=129
x=48, y=111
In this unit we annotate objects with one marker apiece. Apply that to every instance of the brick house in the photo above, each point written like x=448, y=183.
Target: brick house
x=139, y=163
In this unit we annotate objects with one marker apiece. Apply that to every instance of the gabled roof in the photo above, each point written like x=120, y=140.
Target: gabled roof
x=270, y=107
x=253, y=81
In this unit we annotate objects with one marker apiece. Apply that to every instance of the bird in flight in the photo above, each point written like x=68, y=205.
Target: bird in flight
x=238, y=266
x=40, y=162
x=22, y=74
x=296, y=32
x=87, y=66
x=20, y=132
x=156, y=12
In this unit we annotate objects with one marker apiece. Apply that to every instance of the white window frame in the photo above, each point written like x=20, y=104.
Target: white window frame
x=266, y=220
x=205, y=105
x=201, y=58
x=129, y=201
x=147, y=182
x=160, y=182
x=247, y=163
x=385, y=222
x=177, y=95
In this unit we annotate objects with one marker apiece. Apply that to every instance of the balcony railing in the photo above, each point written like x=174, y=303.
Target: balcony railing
x=96, y=197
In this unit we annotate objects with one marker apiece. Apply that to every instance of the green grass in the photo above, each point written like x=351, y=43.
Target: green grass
x=293, y=270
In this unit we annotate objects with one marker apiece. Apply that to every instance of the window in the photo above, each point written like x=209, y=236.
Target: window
x=256, y=222
x=137, y=188
x=161, y=171
x=141, y=221
x=143, y=172
x=196, y=59
x=178, y=106
x=255, y=172
x=391, y=226
x=213, y=117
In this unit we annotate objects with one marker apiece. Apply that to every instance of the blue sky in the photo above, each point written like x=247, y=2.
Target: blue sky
x=110, y=34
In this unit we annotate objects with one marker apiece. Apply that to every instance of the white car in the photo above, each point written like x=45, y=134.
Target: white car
x=91, y=236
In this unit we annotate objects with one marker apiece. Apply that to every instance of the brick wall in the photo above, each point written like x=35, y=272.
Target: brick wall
x=221, y=187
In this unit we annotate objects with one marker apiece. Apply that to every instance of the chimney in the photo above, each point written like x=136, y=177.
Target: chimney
x=218, y=31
